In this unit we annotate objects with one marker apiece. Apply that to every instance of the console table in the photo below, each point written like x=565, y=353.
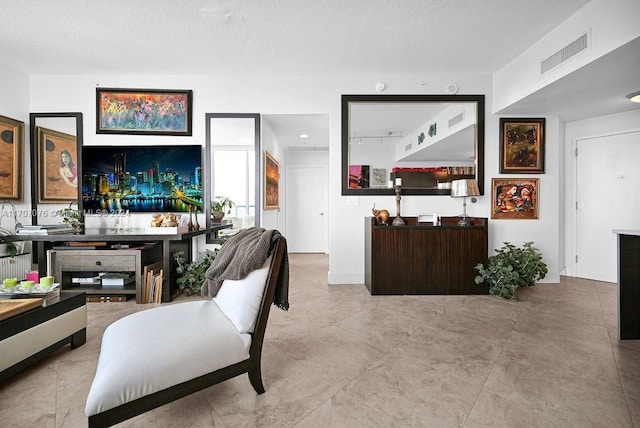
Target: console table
x=420, y=258
x=169, y=245
x=628, y=284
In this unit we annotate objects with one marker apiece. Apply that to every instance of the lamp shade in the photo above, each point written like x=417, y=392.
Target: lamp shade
x=464, y=187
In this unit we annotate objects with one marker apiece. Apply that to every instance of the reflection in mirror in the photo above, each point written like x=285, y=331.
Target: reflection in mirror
x=422, y=141
x=232, y=155
x=56, y=140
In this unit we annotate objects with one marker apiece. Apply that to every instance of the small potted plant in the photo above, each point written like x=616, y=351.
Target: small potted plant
x=220, y=205
x=191, y=275
x=511, y=268
x=72, y=217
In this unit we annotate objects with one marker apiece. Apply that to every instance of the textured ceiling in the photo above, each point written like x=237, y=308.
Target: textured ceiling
x=276, y=36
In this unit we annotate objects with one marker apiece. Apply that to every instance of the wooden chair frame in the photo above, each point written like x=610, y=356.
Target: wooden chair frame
x=251, y=366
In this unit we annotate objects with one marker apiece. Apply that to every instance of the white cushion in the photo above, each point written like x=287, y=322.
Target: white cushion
x=240, y=300
x=154, y=349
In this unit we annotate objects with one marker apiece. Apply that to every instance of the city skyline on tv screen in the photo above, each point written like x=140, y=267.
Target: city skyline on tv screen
x=141, y=178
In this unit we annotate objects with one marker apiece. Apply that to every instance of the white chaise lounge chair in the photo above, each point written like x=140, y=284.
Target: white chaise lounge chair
x=159, y=355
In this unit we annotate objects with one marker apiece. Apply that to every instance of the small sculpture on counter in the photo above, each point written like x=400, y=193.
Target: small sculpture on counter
x=164, y=220
x=382, y=216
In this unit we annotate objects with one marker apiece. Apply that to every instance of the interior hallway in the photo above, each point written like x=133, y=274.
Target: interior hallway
x=342, y=358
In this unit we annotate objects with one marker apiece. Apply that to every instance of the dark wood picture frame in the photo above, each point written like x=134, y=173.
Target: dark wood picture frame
x=144, y=111
x=271, y=182
x=58, y=172
x=11, y=146
x=522, y=145
x=515, y=198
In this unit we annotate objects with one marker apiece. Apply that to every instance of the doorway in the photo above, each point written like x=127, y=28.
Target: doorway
x=306, y=222
x=607, y=198
x=304, y=139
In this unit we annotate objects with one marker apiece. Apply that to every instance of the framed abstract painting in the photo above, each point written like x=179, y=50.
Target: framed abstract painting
x=271, y=183
x=514, y=198
x=522, y=146
x=144, y=111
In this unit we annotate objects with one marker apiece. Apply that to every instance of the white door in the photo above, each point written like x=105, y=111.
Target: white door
x=608, y=197
x=306, y=211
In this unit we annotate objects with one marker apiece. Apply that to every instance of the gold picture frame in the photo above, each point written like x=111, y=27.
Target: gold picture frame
x=57, y=170
x=271, y=183
x=522, y=145
x=11, y=147
x=514, y=198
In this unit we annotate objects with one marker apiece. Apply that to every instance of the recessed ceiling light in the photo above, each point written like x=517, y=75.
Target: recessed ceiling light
x=634, y=97
x=304, y=136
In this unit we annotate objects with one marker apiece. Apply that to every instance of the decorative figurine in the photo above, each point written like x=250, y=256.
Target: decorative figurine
x=382, y=216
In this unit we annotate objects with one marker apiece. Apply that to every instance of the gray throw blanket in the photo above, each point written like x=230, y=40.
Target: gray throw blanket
x=243, y=253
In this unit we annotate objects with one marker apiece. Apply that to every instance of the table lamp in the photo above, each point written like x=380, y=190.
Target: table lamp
x=462, y=189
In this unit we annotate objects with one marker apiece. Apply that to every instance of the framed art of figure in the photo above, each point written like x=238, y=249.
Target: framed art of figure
x=271, y=183
x=11, y=143
x=522, y=146
x=514, y=198
x=58, y=171
x=144, y=111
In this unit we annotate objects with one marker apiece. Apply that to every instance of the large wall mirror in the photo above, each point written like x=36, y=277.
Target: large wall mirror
x=232, y=158
x=56, y=139
x=425, y=141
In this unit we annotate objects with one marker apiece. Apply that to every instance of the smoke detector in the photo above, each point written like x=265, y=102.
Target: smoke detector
x=451, y=89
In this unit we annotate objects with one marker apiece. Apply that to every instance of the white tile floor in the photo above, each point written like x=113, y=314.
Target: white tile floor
x=342, y=358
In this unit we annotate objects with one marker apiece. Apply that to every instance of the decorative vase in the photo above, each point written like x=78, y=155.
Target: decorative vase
x=77, y=227
x=217, y=216
x=190, y=225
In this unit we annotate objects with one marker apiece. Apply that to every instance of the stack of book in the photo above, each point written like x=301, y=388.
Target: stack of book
x=153, y=276
x=44, y=229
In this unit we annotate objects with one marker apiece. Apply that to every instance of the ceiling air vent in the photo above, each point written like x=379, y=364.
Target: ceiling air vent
x=569, y=51
x=408, y=147
x=457, y=119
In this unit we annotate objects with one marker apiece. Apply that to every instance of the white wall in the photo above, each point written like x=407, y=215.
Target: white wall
x=287, y=95
x=612, y=23
x=14, y=104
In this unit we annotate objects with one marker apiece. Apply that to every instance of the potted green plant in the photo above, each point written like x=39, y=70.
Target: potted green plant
x=72, y=217
x=220, y=205
x=191, y=275
x=511, y=268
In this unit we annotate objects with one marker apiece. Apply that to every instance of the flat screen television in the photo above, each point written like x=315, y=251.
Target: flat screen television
x=164, y=178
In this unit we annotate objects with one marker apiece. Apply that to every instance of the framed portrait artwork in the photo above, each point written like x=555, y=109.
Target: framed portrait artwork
x=271, y=183
x=514, y=198
x=57, y=166
x=522, y=145
x=11, y=144
x=144, y=111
